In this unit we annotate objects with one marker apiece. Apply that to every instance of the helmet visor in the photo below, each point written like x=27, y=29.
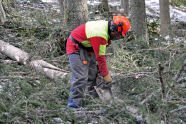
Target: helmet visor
x=116, y=36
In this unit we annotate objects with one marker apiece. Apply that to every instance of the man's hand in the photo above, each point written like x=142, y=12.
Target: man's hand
x=107, y=79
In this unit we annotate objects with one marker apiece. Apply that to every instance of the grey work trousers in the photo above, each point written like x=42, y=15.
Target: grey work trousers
x=83, y=77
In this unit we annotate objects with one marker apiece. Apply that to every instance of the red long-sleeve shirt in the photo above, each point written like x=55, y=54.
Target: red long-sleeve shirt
x=80, y=35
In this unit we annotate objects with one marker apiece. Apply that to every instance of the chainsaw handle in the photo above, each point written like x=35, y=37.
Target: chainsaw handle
x=106, y=84
x=100, y=83
x=110, y=84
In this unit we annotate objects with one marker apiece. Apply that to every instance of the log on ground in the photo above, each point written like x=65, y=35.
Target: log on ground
x=47, y=69
x=13, y=52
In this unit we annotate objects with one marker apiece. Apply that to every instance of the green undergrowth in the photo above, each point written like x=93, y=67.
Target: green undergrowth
x=136, y=71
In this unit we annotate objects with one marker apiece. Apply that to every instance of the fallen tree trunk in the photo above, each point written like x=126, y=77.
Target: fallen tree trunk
x=38, y=65
x=48, y=69
x=13, y=52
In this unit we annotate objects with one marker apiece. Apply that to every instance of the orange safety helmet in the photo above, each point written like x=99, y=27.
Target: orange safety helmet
x=122, y=23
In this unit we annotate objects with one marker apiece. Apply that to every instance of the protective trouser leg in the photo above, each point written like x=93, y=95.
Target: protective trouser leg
x=78, y=80
x=92, y=77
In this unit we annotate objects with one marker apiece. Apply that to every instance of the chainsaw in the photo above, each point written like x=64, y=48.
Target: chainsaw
x=103, y=85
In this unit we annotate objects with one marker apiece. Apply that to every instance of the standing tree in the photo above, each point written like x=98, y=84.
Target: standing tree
x=125, y=6
x=172, y=3
x=62, y=7
x=164, y=16
x=2, y=14
x=74, y=13
x=105, y=5
x=138, y=19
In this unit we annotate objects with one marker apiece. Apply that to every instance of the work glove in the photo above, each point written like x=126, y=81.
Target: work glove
x=107, y=79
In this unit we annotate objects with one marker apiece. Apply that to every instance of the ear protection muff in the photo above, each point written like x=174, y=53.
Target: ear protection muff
x=114, y=27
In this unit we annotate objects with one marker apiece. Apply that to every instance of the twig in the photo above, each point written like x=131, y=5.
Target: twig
x=182, y=100
x=116, y=68
x=161, y=49
x=181, y=80
x=24, y=73
x=20, y=77
x=58, y=69
x=161, y=81
x=170, y=60
x=150, y=96
x=10, y=62
x=58, y=61
x=83, y=113
x=144, y=75
x=169, y=45
x=181, y=70
x=180, y=109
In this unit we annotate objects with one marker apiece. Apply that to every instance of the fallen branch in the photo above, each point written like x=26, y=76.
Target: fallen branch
x=161, y=81
x=180, y=109
x=150, y=96
x=40, y=66
x=20, y=77
x=59, y=61
x=180, y=80
x=84, y=112
x=9, y=62
x=157, y=49
x=181, y=71
x=54, y=68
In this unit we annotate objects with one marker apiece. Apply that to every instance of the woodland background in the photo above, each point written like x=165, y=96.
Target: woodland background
x=148, y=65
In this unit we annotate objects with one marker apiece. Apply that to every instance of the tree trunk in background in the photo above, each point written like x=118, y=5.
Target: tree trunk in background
x=126, y=7
x=164, y=16
x=122, y=4
x=105, y=5
x=61, y=7
x=138, y=19
x=75, y=13
x=172, y=2
x=2, y=14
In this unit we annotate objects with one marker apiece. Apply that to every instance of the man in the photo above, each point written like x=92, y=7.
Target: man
x=86, y=45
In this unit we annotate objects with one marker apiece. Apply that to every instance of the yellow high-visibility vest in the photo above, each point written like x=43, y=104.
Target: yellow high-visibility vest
x=97, y=29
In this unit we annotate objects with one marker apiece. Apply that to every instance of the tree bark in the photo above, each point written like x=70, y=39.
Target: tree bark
x=62, y=7
x=105, y=5
x=172, y=2
x=13, y=52
x=138, y=19
x=122, y=4
x=161, y=81
x=47, y=69
x=2, y=14
x=164, y=16
x=74, y=12
x=125, y=6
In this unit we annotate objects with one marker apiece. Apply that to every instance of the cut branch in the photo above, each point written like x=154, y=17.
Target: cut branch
x=181, y=80
x=181, y=71
x=47, y=69
x=180, y=109
x=161, y=81
x=150, y=96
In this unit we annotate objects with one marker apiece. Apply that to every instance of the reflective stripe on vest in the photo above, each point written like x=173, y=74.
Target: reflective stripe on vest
x=97, y=29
